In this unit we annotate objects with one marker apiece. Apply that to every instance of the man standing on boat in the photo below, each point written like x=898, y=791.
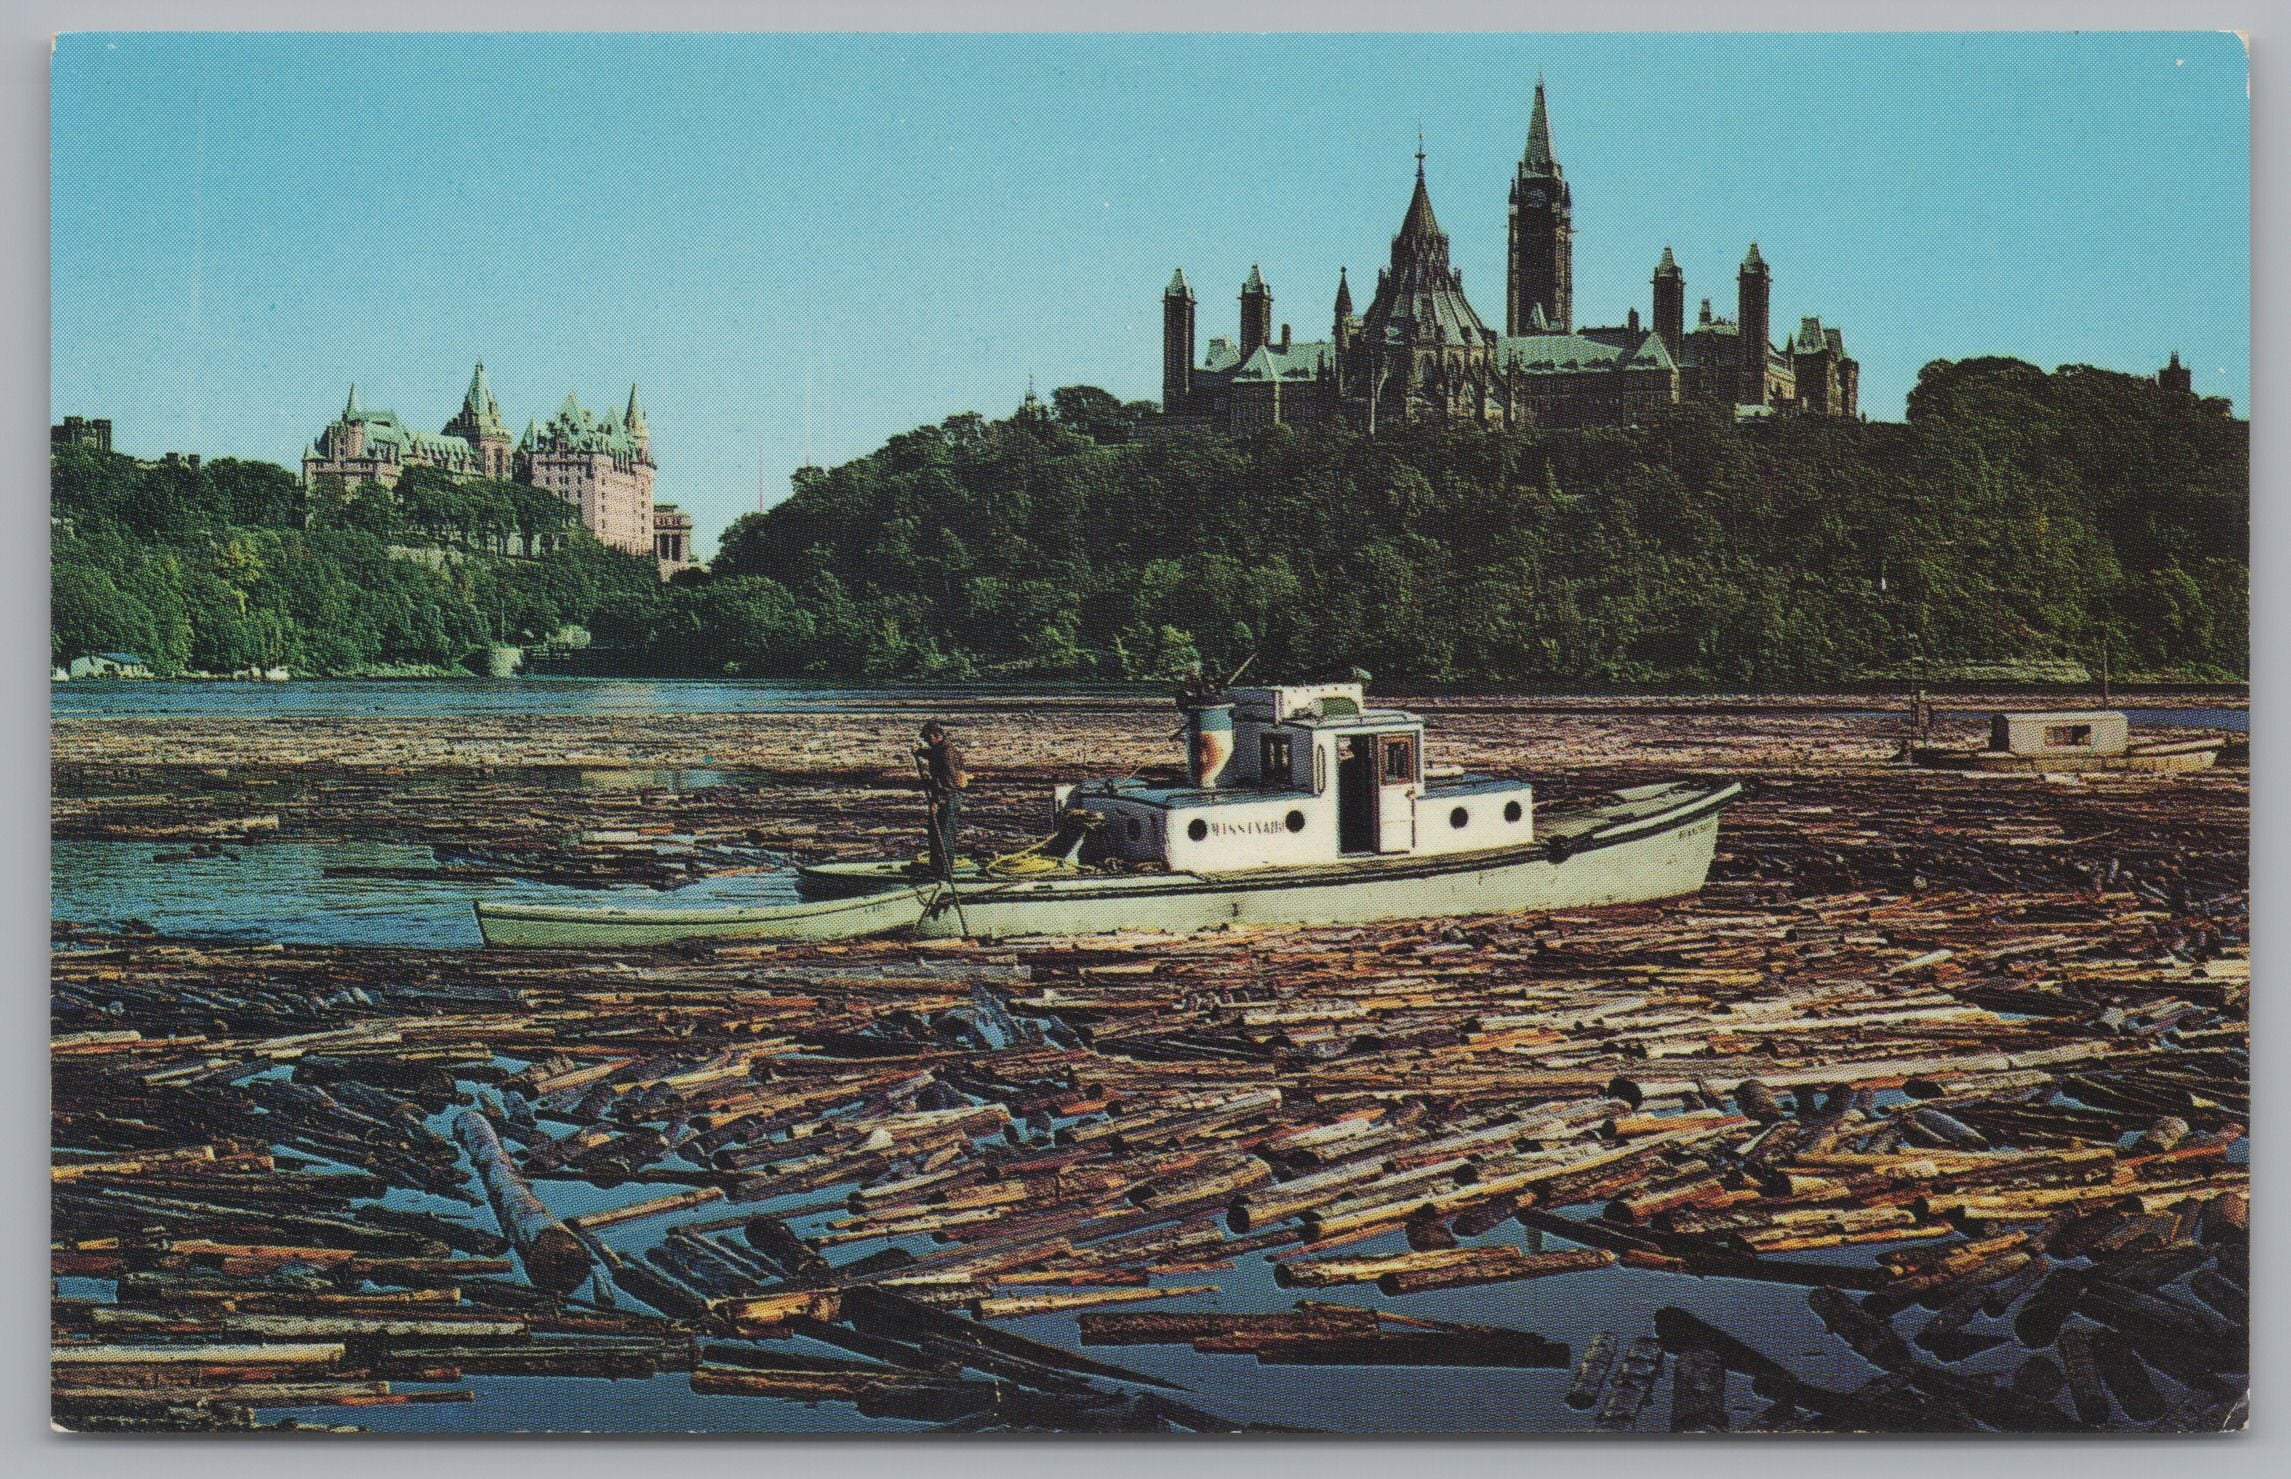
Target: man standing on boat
x=944, y=780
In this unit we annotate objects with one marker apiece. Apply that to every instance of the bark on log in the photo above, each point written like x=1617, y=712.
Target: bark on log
x=553, y=1257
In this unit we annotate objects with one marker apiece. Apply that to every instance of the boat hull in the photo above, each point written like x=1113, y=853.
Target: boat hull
x=1655, y=842
x=540, y=926
x=2181, y=756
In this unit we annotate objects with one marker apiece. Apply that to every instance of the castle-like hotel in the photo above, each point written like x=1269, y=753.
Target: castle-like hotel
x=1422, y=352
x=601, y=465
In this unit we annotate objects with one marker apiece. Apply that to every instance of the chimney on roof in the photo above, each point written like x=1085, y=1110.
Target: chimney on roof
x=1284, y=338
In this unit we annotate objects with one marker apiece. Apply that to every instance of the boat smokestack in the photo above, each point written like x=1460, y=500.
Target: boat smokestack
x=1208, y=742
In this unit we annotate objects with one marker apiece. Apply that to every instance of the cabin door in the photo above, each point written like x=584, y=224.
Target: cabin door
x=1356, y=794
x=1396, y=793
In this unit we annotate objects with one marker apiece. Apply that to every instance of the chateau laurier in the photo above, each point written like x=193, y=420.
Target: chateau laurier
x=1423, y=353
x=601, y=465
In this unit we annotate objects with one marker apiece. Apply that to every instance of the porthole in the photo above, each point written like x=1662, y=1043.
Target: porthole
x=1136, y=829
x=1459, y=818
x=1296, y=821
x=1197, y=829
x=1511, y=812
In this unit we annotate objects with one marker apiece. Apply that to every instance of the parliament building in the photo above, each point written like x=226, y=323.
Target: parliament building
x=1422, y=352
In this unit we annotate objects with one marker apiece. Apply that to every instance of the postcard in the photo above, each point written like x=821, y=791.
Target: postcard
x=1018, y=734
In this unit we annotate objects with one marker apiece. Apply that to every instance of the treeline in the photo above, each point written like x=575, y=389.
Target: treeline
x=231, y=564
x=2016, y=515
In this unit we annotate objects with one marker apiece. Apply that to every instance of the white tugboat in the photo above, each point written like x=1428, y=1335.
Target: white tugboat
x=1301, y=805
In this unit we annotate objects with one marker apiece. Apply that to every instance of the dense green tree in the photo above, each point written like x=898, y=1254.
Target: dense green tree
x=2017, y=514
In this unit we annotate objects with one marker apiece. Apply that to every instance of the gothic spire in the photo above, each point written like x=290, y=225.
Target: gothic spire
x=1343, y=295
x=1177, y=287
x=1753, y=262
x=350, y=406
x=1420, y=224
x=1539, y=159
x=1255, y=283
x=1668, y=266
x=633, y=418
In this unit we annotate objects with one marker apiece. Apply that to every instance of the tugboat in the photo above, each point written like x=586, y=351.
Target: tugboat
x=1300, y=805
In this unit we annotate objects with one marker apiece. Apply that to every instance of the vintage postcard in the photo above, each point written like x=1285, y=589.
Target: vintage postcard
x=931, y=734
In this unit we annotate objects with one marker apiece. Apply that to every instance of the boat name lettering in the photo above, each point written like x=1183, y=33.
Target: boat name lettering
x=1242, y=829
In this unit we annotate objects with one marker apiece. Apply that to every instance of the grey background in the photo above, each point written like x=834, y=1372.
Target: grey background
x=26, y=1444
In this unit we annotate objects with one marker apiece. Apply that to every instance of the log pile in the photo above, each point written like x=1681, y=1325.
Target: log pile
x=1951, y=1072
x=1994, y=1139
x=840, y=786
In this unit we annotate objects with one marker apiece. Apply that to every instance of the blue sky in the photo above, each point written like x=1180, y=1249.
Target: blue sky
x=244, y=224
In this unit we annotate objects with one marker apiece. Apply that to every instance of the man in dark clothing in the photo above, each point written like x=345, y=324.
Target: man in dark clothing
x=944, y=779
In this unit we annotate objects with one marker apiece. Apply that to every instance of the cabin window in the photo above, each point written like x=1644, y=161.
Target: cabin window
x=1273, y=764
x=1511, y=811
x=1459, y=818
x=1197, y=829
x=1135, y=829
x=2067, y=735
x=1399, y=761
x=1295, y=821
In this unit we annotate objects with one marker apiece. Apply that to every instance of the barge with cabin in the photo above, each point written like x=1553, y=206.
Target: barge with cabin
x=1300, y=805
x=2044, y=741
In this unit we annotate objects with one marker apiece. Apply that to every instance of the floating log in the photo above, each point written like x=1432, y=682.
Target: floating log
x=1633, y=1384
x=553, y=1257
x=1698, y=1392
x=1872, y=1338
x=1012, y=1306
x=1589, y=1379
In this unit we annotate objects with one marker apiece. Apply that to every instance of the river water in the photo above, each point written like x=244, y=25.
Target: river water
x=280, y=891
x=143, y=700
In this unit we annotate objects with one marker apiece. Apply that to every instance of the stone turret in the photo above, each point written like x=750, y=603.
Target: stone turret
x=1256, y=312
x=1177, y=331
x=1670, y=303
x=1755, y=288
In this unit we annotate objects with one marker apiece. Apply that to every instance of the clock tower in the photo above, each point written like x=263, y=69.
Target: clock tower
x=1540, y=283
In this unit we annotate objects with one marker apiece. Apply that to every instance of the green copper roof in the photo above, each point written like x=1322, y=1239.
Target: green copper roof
x=1562, y=354
x=1668, y=266
x=1539, y=159
x=1255, y=282
x=479, y=410
x=1298, y=362
x=575, y=429
x=633, y=417
x=1753, y=262
x=1177, y=287
x=1419, y=224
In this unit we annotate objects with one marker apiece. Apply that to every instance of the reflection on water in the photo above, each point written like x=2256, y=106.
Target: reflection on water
x=280, y=891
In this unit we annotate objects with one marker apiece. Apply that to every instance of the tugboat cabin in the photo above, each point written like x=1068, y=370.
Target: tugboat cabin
x=1293, y=777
